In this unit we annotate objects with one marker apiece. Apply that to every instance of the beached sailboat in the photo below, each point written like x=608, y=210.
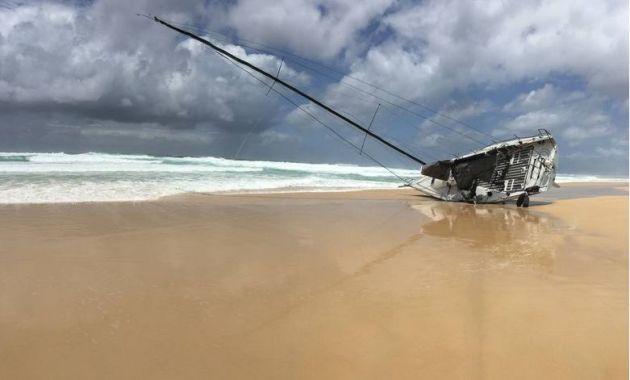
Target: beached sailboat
x=511, y=169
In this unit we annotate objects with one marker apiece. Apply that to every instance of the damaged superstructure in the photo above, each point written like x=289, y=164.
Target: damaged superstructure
x=512, y=169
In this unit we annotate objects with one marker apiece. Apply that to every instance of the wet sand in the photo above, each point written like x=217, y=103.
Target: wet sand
x=378, y=284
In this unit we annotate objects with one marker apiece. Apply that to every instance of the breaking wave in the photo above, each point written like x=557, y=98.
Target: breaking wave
x=87, y=177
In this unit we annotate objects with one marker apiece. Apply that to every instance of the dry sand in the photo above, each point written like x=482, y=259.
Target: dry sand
x=319, y=286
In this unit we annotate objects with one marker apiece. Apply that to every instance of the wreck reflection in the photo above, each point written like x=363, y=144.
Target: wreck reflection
x=509, y=235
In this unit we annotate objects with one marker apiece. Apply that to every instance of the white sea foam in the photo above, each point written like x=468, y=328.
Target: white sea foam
x=60, y=177
x=567, y=178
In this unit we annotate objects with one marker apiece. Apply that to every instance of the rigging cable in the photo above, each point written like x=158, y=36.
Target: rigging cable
x=292, y=88
x=407, y=181
x=285, y=54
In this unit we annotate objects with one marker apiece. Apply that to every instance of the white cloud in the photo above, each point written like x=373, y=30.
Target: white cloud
x=542, y=98
x=536, y=119
x=431, y=140
x=498, y=42
x=575, y=117
x=535, y=99
x=311, y=28
x=610, y=151
x=575, y=123
x=464, y=110
x=580, y=133
x=438, y=48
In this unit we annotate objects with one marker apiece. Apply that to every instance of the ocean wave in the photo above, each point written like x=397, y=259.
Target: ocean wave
x=27, y=177
x=14, y=158
x=101, y=162
x=567, y=178
x=95, y=189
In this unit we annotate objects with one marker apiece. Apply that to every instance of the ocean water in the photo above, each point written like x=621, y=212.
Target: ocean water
x=60, y=177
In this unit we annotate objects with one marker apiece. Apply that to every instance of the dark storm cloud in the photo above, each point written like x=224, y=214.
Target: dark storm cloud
x=103, y=62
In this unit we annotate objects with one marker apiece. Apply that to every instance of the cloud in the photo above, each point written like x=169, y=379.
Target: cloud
x=584, y=132
x=430, y=140
x=64, y=58
x=466, y=109
x=499, y=42
x=320, y=29
x=610, y=151
x=94, y=76
x=574, y=117
x=146, y=131
x=534, y=120
x=438, y=50
x=535, y=99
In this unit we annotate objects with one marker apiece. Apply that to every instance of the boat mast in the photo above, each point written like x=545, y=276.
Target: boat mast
x=292, y=88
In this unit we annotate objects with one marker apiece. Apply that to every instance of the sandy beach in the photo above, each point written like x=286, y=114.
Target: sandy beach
x=357, y=285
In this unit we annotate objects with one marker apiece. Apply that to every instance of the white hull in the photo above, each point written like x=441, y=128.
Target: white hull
x=515, y=168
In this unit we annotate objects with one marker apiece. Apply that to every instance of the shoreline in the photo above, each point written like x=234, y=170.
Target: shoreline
x=611, y=188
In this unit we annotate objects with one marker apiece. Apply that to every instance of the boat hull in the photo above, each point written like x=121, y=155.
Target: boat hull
x=503, y=171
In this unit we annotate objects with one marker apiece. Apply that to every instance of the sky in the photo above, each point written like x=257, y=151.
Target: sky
x=438, y=78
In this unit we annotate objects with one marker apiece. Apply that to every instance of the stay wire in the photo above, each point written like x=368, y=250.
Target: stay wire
x=397, y=141
x=343, y=75
x=406, y=181
x=342, y=82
